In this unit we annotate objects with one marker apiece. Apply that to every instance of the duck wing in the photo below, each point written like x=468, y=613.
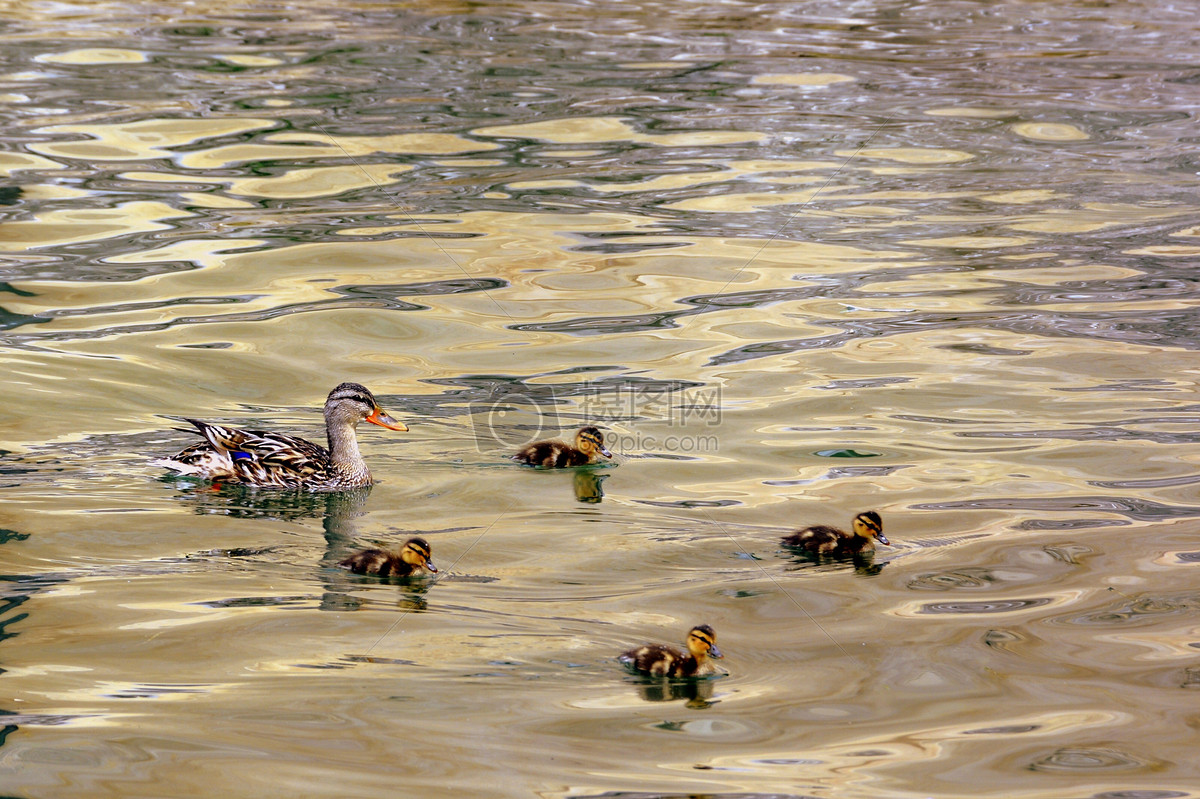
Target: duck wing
x=264, y=458
x=657, y=660
x=819, y=539
x=551, y=455
x=368, y=561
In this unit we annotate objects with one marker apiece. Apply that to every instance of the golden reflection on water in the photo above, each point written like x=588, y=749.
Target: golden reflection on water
x=141, y=139
x=586, y=130
x=87, y=224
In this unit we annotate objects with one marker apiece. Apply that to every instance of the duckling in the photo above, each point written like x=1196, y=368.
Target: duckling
x=413, y=557
x=661, y=660
x=554, y=454
x=822, y=540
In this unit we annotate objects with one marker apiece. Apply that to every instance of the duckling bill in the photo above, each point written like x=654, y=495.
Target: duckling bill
x=554, y=454
x=831, y=541
x=412, y=558
x=661, y=660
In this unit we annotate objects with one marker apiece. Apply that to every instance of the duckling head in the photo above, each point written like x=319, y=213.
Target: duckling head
x=416, y=552
x=590, y=441
x=702, y=643
x=869, y=525
x=350, y=403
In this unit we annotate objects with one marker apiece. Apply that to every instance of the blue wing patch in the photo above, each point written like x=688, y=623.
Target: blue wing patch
x=239, y=456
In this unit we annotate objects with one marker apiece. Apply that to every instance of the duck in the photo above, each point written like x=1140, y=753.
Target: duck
x=412, y=558
x=823, y=540
x=554, y=454
x=662, y=660
x=275, y=460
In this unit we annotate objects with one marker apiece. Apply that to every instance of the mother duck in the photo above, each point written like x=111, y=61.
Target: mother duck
x=276, y=460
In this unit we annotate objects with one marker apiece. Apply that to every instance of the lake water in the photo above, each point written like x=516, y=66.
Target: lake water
x=799, y=260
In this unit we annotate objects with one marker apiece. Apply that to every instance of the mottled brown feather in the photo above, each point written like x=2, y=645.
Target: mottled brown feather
x=661, y=660
x=552, y=455
x=555, y=454
x=386, y=564
x=821, y=539
x=378, y=562
x=275, y=460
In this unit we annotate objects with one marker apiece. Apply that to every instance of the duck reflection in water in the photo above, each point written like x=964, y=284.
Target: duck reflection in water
x=588, y=486
x=249, y=502
x=697, y=691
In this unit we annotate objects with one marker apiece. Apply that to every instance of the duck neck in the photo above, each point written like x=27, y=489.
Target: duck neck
x=861, y=545
x=343, y=446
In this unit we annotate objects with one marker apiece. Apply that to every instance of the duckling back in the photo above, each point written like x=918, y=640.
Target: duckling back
x=659, y=660
x=552, y=455
x=377, y=562
x=823, y=540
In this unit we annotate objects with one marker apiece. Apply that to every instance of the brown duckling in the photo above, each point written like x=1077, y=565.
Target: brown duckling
x=413, y=557
x=554, y=454
x=822, y=540
x=660, y=660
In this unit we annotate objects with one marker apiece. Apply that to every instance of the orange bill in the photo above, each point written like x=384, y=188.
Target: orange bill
x=383, y=420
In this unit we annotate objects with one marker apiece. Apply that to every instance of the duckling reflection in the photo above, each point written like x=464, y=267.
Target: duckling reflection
x=411, y=597
x=554, y=454
x=698, y=693
x=863, y=565
x=412, y=559
x=588, y=488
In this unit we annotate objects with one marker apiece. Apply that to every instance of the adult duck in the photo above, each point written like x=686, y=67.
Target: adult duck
x=276, y=460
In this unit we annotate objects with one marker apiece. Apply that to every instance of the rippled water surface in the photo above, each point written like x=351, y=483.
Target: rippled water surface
x=799, y=260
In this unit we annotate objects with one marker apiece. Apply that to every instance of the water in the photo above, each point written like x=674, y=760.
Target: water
x=800, y=260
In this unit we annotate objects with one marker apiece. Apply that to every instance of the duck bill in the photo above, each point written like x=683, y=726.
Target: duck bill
x=604, y=451
x=881, y=538
x=714, y=653
x=383, y=420
x=429, y=566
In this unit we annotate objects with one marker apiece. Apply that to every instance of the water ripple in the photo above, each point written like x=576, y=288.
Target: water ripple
x=384, y=297
x=994, y=606
x=1147, y=328
x=1080, y=759
x=1133, y=508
